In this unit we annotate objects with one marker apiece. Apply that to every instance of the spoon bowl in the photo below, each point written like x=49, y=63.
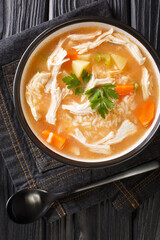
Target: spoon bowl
x=28, y=205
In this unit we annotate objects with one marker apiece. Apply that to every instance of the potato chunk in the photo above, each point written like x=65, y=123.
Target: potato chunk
x=120, y=61
x=85, y=57
x=78, y=66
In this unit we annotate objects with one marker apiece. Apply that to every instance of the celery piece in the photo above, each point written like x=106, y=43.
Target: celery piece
x=136, y=86
x=103, y=57
x=107, y=59
x=98, y=57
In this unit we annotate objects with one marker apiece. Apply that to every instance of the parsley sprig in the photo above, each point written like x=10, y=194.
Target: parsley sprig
x=100, y=98
x=86, y=77
x=72, y=82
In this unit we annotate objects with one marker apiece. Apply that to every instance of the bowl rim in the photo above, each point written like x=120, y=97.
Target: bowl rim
x=17, y=101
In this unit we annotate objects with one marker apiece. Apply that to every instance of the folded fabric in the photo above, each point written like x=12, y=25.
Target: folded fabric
x=29, y=167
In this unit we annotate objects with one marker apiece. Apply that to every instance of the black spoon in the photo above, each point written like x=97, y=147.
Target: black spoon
x=28, y=205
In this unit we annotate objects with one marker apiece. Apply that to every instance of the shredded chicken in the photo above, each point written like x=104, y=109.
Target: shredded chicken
x=126, y=129
x=117, y=38
x=84, y=47
x=98, y=148
x=132, y=47
x=136, y=52
x=56, y=97
x=103, y=145
x=113, y=39
x=55, y=62
x=103, y=81
x=105, y=139
x=79, y=109
x=145, y=83
x=84, y=36
x=95, y=82
x=53, y=81
x=98, y=81
x=65, y=92
x=34, y=92
x=122, y=37
x=110, y=31
x=57, y=56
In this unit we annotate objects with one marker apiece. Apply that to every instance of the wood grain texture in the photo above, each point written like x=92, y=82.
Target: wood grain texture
x=20, y=15
x=145, y=17
x=96, y=223
x=1, y=18
x=146, y=222
x=58, y=8
x=121, y=10
x=8, y=229
x=100, y=222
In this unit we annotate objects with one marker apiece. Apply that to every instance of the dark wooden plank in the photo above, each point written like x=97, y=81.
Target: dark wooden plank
x=58, y=8
x=20, y=15
x=8, y=229
x=1, y=18
x=146, y=222
x=99, y=222
x=145, y=17
x=121, y=10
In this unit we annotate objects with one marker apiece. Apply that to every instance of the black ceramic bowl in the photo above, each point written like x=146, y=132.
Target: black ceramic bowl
x=76, y=23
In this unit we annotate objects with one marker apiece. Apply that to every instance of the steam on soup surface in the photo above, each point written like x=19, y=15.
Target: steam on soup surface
x=89, y=93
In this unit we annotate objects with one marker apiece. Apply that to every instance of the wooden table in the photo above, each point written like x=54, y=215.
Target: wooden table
x=101, y=221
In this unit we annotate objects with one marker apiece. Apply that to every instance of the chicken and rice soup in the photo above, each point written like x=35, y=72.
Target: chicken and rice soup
x=90, y=93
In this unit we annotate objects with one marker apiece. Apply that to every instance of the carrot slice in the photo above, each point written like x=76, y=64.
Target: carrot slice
x=124, y=89
x=58, y=140
x=45, y=134
x=55, y=139
x=72, y=55
x=145, y=112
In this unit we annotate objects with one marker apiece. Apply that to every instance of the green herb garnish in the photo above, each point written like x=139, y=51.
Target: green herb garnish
x=72, y=82
x=100, y=98
x=85, y=76
x=79, y=90
x=108, y=92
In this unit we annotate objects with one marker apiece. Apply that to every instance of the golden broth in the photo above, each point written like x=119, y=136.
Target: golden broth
x=65, y=120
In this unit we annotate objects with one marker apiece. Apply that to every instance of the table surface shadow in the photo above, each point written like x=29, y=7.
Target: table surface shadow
x=102, y=221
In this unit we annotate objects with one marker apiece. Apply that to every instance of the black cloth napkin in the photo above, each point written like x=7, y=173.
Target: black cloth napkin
x=30, y=168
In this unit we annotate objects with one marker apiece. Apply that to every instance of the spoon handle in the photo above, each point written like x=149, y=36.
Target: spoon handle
x=129, y=173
